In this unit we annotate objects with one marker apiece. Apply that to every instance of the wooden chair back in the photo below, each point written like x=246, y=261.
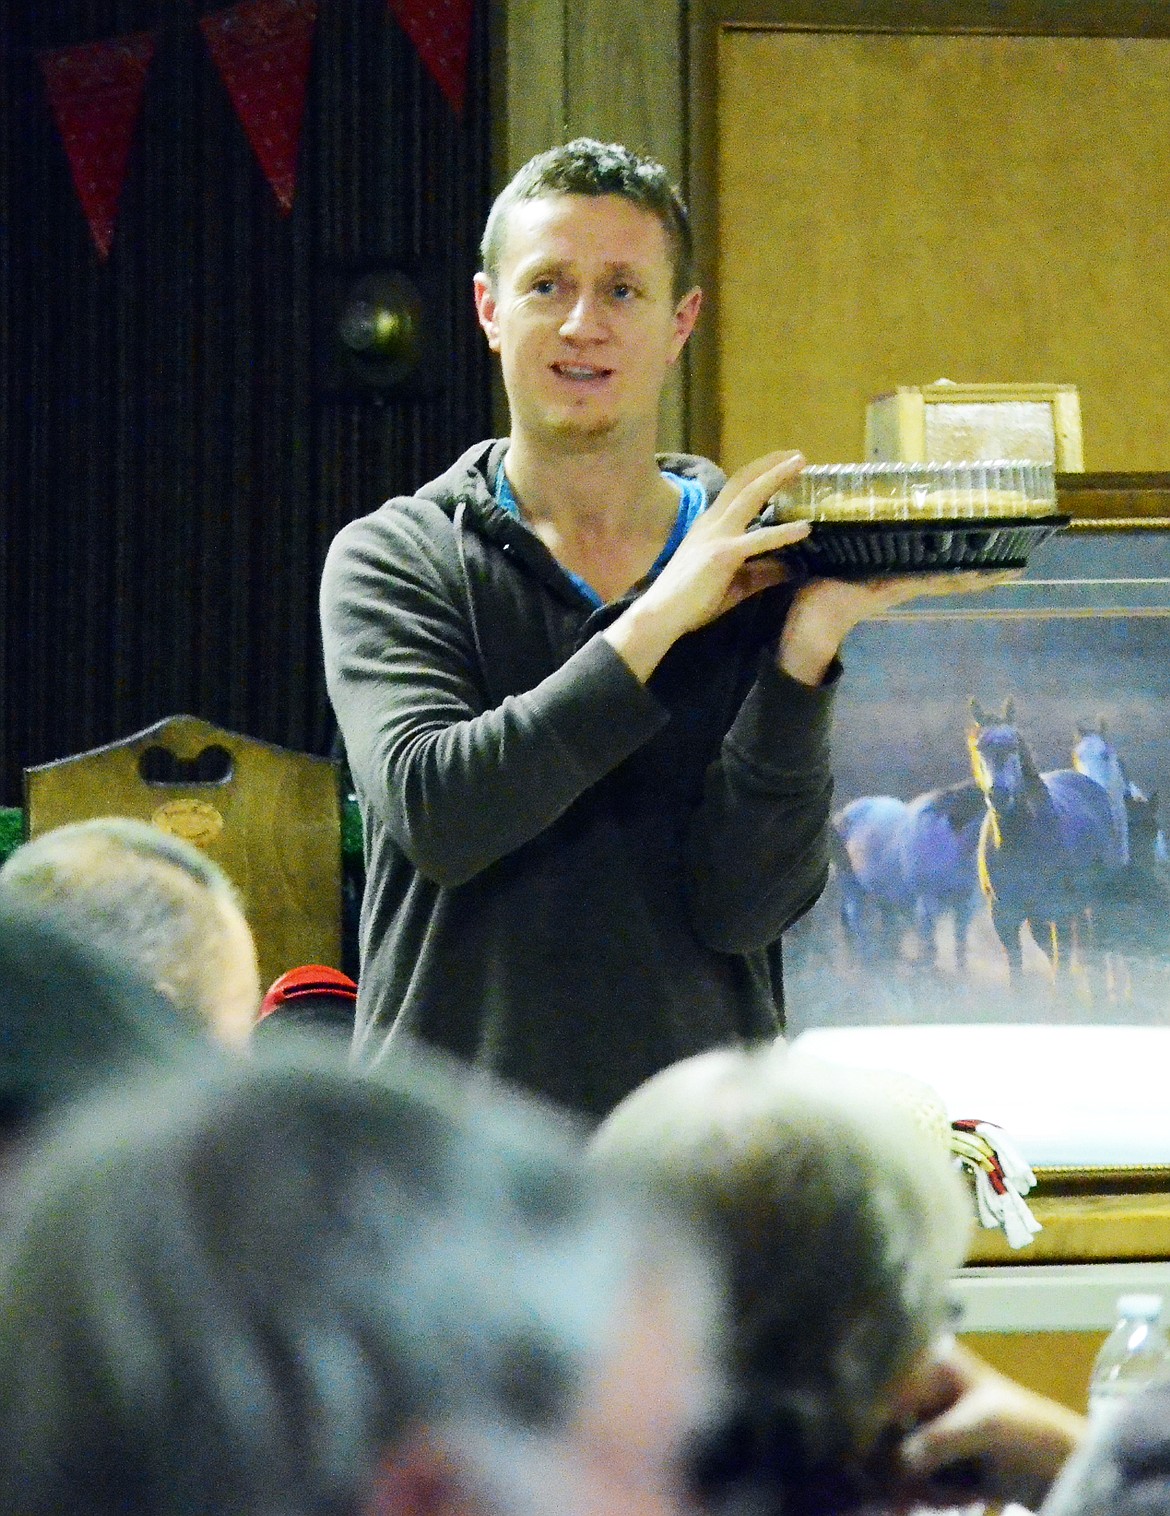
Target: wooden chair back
x=268, y=816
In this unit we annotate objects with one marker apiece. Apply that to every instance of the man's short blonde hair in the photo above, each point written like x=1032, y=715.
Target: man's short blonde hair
x=148, y=899
x=587, y=167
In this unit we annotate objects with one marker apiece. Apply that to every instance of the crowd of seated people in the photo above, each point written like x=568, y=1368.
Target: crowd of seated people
x=273, y=1286
x=245, y=1277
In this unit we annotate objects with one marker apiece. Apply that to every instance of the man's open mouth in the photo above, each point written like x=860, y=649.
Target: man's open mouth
x=580, y=371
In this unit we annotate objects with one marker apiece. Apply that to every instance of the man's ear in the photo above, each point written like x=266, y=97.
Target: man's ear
x=686, y=313
x=485, y=309
x=419, y=1478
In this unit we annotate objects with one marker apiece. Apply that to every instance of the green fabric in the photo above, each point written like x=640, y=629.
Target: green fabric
x=351, y=832
x=12, y=831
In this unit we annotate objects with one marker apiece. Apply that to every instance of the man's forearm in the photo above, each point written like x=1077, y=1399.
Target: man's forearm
x=758, y=843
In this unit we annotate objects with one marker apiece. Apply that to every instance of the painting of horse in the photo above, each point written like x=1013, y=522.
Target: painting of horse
x=1059, y=801
x=1049, y=844
x=1131, y=912
x=1094, y=754
x=909, y=862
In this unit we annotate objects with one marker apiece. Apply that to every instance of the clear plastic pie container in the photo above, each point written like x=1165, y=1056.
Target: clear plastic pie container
x=871, y=519
x=918, y=491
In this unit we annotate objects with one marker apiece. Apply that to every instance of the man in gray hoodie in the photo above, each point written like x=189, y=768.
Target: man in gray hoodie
x=585, y=706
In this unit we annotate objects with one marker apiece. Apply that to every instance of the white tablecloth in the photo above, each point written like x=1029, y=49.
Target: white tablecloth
x=1097, y=1096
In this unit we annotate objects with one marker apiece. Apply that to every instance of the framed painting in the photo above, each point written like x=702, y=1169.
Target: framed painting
x=1001, y=751
x=1002, y=765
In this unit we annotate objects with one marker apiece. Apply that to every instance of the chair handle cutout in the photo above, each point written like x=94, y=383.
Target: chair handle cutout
x=159, y=765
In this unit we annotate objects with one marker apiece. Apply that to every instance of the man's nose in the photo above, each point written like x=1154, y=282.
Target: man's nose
x=584, y=319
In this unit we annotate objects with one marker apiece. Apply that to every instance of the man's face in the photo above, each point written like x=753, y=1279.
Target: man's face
x=583, y=317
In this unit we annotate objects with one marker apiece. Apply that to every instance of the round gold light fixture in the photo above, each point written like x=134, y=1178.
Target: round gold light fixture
x=380, y=327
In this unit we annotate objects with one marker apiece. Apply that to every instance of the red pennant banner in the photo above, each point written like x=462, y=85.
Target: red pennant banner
x=441, y=31
x=95, y=94
x=262, y=50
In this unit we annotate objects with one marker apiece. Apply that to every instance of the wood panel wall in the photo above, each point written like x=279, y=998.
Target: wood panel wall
x=899, y=209
x=709, y=20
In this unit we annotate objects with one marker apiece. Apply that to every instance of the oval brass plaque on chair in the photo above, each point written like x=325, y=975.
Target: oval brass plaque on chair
x=193, y=820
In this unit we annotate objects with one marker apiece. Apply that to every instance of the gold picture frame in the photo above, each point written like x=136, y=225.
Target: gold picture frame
x=1115, y=502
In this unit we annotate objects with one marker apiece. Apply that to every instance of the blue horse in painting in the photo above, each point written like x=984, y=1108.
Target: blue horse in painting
x=909, y=861
x=1094, y=754
x=1048, y=842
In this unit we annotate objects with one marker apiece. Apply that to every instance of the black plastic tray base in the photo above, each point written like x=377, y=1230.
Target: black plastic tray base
x=875, y=549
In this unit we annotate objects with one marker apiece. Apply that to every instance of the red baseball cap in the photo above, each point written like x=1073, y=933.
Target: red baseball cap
x=309, y=982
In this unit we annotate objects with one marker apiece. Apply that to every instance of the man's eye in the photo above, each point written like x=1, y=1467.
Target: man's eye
x=622, y=291
x=544, y=286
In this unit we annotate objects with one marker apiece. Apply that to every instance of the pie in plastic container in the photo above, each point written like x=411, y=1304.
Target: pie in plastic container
x=870, y=520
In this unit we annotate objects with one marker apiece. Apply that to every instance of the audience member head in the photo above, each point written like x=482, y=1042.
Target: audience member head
x=155, y=902
x=587, y=167
x=313, y=997
x=843, y=1221
x=273, y=1288
x=69, y=1020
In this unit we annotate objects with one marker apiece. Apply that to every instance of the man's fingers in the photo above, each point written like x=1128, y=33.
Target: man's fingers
x=989, y=579
x=750, y=488
x=968, y=581
x=782, y=458
x=971, y=581
x=759, y=574
x=768, y=539
x=889, y=592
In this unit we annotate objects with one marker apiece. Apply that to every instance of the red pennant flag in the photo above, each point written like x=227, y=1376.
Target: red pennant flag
x=262, y=50
x=441, y=31
x=95, y=94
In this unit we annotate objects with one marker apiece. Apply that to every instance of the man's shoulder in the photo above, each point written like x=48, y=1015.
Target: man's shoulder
x=469, y=481
x=428, y=507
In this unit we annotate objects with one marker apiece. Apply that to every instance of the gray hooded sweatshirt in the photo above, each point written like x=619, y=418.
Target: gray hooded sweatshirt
x=573, y=878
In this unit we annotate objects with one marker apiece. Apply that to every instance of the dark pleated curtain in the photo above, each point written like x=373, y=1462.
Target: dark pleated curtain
x=172, y=471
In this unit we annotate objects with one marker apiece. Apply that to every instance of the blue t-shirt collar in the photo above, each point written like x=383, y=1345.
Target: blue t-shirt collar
x=692, y=502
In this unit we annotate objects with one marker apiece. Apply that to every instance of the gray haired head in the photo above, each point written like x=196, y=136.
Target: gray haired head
x=234, y=1289
x=71, y=1019
x=151, y=900
x=842, y=1219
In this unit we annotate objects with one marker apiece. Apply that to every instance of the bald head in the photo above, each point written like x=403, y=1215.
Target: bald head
x=153, y=901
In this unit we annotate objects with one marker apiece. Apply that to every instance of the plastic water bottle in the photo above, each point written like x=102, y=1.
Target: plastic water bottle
x=1135, y=1352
